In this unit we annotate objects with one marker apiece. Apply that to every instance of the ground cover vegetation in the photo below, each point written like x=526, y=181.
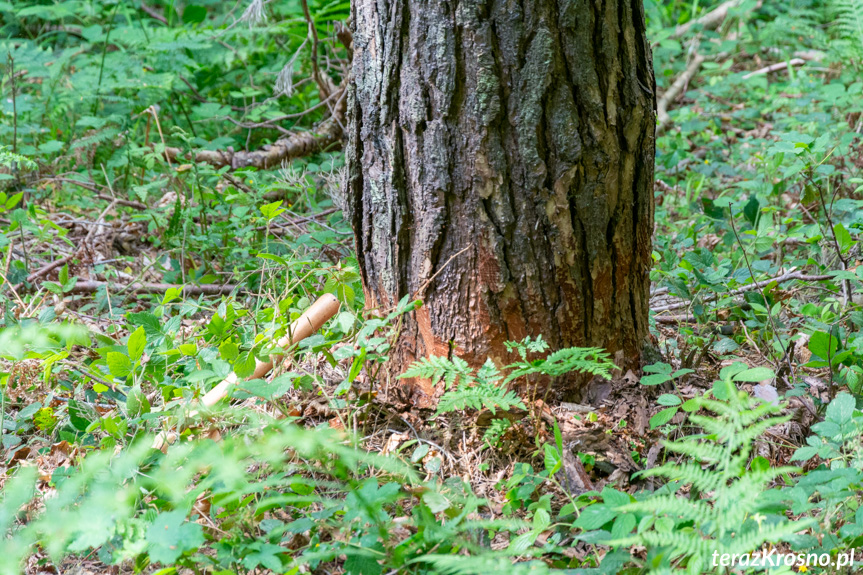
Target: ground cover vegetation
x=171, y=200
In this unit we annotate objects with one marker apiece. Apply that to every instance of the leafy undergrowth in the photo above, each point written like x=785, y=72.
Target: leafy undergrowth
x=134, y=282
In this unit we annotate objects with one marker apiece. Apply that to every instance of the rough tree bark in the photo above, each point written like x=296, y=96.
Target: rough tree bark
x=522, y=130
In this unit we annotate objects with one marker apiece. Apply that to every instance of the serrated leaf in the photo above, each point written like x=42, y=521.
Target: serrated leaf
x=841, y=409
x=137, y=342
x=668, y=399
x=804, y=453
x=345, y=321
x=229, y=351
x=188, y=349
x=170, y=535
x=662, y=417
x=118, y=364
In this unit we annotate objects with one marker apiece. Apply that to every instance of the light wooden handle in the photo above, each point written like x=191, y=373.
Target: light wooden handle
x=311, y=321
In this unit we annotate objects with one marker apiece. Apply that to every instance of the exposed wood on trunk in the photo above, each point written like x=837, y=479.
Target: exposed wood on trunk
x=524, y=130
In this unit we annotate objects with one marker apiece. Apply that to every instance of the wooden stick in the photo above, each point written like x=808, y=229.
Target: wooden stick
x=775, y=67
x=674, y=90
x=311, y=321
x=712, y=19
x=787, y=276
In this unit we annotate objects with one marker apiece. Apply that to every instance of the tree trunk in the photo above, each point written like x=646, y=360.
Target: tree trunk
x=500, y=167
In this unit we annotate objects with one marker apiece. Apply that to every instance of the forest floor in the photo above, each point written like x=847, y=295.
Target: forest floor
x=135, y=280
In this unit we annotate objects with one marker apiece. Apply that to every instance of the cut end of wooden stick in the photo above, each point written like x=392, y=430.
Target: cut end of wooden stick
x=311, y=321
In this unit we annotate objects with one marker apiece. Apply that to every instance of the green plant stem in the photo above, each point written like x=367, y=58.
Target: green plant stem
x=11, y=67
x=104, y=55
x=786, y=357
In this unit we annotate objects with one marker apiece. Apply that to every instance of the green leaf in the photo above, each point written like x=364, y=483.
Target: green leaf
x=668, y=399
x=53, y=287
x=655, y=379
x=119, y=364
x=755, y=374
x=843, y=238
x=170, y=535
x=595, y=516
x=823, y=344
x=194, y=14
x=662, y=417
x=804, y=453
x=614, y=498
x=272, y=210
x=188, y=349
x=658, y=368
x=357, y=365
x=229, y=351
x=553, y=461
x=171, y=294
x=435, y=501
x=244, y=365
x=623, y=526
x=419, y=452
x=266, y=555
x=345, y=321
x=274, y=258
x=841, y=409
x=136, y=343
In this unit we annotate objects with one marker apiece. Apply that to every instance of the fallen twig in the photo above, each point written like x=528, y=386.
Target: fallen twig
x=146, y=287
x=296, y=145
x=775, y=67
x=674, y=91
x=686, y=318
x=710, y=21
x=788, y=276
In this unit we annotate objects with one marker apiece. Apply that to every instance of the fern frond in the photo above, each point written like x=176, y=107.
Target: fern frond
x=849, y=21
x=723, y=515
x=436, y=368
x=688, y=474
x=479, y=397
x=591, y=360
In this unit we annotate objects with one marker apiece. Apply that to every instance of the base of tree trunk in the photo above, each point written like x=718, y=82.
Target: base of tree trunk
x=500, y=166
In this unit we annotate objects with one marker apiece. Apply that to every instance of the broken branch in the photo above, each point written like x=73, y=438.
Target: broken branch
x=775, y=67
x=674, y=91
x=788, y=276
x=145, y=287
x=712, y=20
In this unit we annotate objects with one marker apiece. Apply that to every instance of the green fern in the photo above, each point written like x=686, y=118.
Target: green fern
x=480, y=396
x=485, y=388
x=849, y=22
x=721, y=514
x=590, y=360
